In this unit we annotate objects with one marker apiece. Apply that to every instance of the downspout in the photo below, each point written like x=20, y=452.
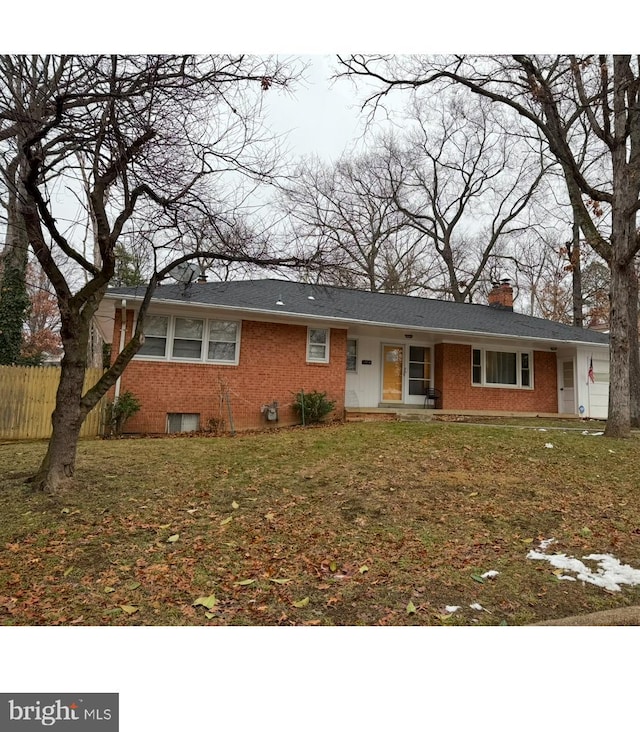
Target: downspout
x=123, y=332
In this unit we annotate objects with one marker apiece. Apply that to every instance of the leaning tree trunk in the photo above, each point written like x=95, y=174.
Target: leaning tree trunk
x=59, y=462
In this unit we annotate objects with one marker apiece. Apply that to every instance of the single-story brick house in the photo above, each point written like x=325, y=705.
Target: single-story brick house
x=230, y=350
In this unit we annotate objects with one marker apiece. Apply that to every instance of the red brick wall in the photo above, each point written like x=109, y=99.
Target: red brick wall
x=453, y=378
x=272, y=367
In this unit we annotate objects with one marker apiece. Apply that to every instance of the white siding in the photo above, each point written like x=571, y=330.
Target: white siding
x=594, y=397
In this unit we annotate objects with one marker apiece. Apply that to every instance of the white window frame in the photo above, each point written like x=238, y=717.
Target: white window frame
x=354, y=370
x=326, y=344
x=205, y=349
x=483, y=368
x=168, y=357
x=166, y=337
x=200, y=340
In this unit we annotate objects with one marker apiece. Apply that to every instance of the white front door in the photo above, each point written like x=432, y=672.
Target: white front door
x=567, y=389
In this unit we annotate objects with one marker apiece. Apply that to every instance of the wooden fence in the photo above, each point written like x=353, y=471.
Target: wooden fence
x=28, y=397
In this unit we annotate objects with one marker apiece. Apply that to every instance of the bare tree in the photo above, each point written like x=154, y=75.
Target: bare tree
x=465, y=185
x=596, y=280
x=156, y=134
x=588, y=112
x=347, y=210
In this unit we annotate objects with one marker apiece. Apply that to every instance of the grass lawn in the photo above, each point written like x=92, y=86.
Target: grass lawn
x=357, y=524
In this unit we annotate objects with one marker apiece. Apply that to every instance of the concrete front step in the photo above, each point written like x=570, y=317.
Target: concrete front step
x=409, y=413
x=400, y=413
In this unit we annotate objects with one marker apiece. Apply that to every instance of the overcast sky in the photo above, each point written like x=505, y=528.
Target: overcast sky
x=320, y=117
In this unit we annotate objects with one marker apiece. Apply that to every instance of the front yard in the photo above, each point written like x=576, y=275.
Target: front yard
x=358, y=524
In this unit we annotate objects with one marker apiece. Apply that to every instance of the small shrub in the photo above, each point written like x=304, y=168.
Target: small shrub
x=313, y=406
x=121, y=410
x=215, y=425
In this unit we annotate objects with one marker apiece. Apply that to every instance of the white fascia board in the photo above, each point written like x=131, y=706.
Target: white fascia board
x=345, y=322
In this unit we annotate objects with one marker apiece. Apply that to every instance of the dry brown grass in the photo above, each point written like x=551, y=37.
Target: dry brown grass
x=359, y=524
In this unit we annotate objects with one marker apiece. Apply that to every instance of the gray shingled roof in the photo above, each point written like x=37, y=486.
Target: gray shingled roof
x=356, y=306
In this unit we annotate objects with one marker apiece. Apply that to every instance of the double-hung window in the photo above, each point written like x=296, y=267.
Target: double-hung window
x=318, y=345
x=223, y=339
x=501, y=368
x=156, y=329
x=187, y=338
x=191, y=339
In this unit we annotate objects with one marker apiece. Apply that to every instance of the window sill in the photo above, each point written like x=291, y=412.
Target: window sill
x=198, y=362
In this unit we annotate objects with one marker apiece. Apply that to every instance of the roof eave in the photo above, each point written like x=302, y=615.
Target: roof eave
x=371, y=323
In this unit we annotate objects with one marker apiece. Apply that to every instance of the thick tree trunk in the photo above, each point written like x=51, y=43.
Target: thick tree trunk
x=59, y=462
x=623, y=301
x=619, y=420
x=634, y=352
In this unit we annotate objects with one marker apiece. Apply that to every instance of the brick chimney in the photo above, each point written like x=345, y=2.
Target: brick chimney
x=501, y=296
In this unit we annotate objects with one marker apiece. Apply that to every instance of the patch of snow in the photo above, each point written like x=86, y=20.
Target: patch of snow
x=548, y=444
x=452, y=608
x=490, y=574
x=609, y=575
x=546, y=543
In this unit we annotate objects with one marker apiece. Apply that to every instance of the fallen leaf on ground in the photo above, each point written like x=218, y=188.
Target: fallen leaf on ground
x=207, y=602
